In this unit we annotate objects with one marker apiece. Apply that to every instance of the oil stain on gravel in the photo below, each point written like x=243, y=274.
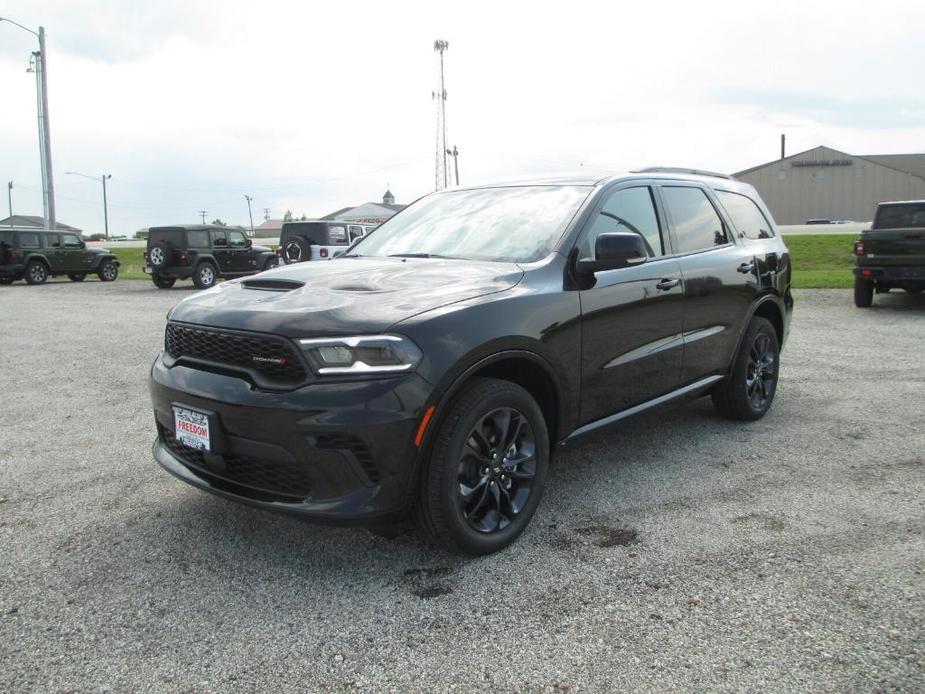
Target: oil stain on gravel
x=609, y=536
x=426, y=582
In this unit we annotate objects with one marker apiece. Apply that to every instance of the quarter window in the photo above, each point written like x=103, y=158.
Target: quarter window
x=28, y=240
x=696, y=224
x=627, y=210
x=746, y=215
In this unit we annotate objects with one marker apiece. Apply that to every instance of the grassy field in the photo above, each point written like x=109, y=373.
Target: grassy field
x=818, y=261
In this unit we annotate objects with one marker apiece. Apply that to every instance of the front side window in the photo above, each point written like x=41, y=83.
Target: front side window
x=515, y=224
x=28, y=240
x=696, y=224
x=746, y=215
x=627, y=210
x=236, y=239
x=70, y=241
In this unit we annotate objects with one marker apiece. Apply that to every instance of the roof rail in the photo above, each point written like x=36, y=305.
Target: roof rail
x=681, y=170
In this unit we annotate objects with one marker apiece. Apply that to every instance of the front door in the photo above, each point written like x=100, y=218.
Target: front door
x=631, y=317
x=241, y=258
x=220, y=250
x=73, y=255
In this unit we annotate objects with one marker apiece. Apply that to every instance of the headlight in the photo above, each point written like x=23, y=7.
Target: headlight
x=361, y=354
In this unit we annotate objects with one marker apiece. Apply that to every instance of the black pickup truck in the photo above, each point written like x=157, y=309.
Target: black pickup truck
x=891, y=254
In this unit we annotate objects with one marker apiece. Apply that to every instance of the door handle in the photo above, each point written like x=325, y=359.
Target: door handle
x=747, y=268
x=668, y=283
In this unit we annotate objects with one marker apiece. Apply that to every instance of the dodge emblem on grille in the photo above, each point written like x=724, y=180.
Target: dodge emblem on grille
x=280, y=361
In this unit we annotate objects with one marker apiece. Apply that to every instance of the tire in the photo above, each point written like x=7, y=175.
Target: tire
x=36, y=272
x=162, y=281
x=108, y=271
x=159, y=255
x=747, y=391
x=863, y=293
x=465, y=460
x=204, y=275
x=77, y=276
x=297, y=250
x=7, y=280
x=270, y=264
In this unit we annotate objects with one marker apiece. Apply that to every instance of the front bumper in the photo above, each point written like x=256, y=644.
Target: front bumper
x=339, y=452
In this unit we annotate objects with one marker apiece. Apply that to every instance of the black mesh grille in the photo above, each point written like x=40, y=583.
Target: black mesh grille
x=274, y=358
x=271, y=476
x=355, y=446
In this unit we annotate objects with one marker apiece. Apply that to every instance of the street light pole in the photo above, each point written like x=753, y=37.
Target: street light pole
x=455, y=154
x=40, y=60
x=105, y=201
x=249, y=213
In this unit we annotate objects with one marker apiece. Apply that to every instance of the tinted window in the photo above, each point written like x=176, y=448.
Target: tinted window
x=236, y=239
x=696, y=224
x=515, y=224
x=28, y=240
x=901, y=216
x=197, y=239
x=746, y=215
x=172, y=236
x=52, y=241
x=337, y=235
x=6, y=236
x=70, y=241
x=218, y=238
x=632, y=210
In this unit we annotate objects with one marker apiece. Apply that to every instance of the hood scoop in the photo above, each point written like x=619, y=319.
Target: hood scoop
x=272, y=285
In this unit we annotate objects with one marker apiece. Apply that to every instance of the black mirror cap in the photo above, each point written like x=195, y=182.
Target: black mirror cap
x=248, y=243
x=615, y=250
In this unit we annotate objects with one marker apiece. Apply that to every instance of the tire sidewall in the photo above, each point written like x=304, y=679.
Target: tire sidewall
x=197, y=277
x=758, y=326
x=29, y=269
x=102, y=271
x=444, y=469
x=166, y=255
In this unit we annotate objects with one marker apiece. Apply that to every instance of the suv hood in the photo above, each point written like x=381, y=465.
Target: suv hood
x=343, y=296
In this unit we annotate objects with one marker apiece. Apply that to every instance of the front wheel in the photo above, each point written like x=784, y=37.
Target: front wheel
x=863, y=292
x=747, y=391
x=77, y=276
x=487, y=468
x=108, y=271
x=204, y=276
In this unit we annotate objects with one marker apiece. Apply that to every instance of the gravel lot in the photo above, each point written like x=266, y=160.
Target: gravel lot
x=681, y=552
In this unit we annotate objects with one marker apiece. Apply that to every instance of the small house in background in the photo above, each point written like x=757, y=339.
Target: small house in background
x=367, y=212
x=36, y=222
x=269, y=228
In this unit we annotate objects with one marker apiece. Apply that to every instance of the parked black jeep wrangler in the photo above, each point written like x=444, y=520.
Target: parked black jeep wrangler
x=891, y=254
x=433, y=369
x=311, y=240
x=36, y=254
x=203, y=252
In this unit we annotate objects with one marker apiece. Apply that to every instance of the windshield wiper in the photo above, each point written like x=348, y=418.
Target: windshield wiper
x=424, y=255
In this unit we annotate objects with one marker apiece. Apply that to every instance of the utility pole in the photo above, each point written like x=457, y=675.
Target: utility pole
x=9, y=197
x=249, y=213
x=266, y=214
x=440, y=166
x=455, y=154
x=39, y=65
x=105, y=201
x=202, y=213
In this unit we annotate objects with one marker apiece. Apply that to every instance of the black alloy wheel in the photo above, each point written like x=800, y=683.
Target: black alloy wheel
x=496, y=470
x=761, y=374
x=747, y=391
x=486, y=469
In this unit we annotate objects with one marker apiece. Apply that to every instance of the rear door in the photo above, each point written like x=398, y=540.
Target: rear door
x=754, y=229
x=53, y=252
x=720, y=278
x=631, y=317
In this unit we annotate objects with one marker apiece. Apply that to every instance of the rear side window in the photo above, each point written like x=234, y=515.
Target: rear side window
x=197, y=239
x=696, y=224
x=910, y=216
x=218, y=238
x=627, y=210
x=171, y=236
x=337, y=235
x=28, y=240
x=746, y=215
x=52, y=241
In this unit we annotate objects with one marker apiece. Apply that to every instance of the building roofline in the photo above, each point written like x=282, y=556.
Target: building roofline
x=865, y=157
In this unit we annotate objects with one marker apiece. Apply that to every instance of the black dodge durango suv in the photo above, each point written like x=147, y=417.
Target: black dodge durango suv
x=433, y=369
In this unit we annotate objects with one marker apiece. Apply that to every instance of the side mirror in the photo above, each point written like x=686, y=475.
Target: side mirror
x=83, y=244
x=248, y=243
x=615, y=250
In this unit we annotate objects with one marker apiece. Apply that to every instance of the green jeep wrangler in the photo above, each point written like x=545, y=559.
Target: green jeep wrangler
x=36, y=254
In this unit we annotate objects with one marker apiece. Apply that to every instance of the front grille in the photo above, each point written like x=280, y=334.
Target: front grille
x=274, y=358
x=271, y=476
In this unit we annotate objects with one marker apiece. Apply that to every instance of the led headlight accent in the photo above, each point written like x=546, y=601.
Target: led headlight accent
x=361, y=354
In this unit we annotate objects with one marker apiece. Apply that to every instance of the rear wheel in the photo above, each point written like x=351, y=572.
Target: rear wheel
x=204, y=276
x=486, y=472
x=36, y=272
x=746, y=393
x=108, y=271
x=77, y=276
x=161, y=281
x=863, y=292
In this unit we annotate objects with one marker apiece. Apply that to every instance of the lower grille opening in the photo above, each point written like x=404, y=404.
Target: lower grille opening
x=346, y=442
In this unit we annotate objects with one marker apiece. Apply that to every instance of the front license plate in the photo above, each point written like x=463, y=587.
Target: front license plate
x=192, y=428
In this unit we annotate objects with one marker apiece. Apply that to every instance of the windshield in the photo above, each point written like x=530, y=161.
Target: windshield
x=519, y=224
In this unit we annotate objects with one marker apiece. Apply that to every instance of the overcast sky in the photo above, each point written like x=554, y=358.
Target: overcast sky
x=315, y=106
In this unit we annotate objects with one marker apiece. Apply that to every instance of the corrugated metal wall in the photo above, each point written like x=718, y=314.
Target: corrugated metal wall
x=796, y=193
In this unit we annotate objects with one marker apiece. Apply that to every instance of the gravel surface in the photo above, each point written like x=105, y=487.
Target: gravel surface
x=680, y=552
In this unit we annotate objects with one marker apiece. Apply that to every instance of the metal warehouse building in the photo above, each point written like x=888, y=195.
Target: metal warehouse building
x=823, y=183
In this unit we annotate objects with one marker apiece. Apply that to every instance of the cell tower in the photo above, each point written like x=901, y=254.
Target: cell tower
x=440, y=165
